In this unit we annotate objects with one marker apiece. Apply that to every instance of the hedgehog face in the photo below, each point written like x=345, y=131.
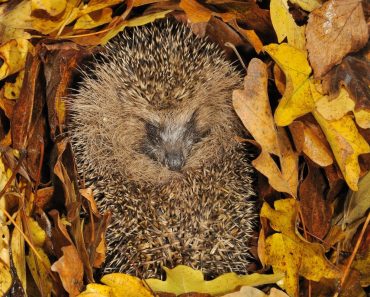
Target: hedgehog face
x=170, y=143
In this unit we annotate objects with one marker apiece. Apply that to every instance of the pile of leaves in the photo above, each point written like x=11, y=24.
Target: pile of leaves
x=305, y=103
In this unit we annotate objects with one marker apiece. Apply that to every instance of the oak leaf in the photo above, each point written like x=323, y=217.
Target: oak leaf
x=289, y=252
x=253, y=108
x=353, y=74
x=298, y=98
x=183, y=279
x=347, y=144
x=70, y=269
x=117, y=285
x=285, y=26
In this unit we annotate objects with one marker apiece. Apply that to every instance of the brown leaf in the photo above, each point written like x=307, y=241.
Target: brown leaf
x=253, y=108
x=197, y=13
x=29, y=105
x=35, y=149
x=59, y=235
x=249, y=16
x=59, y=62
x=316, y=211
x=43, y=197
x=67, y=177
x=354, y=74
x=70, y=270
x=335, y=29
x=310, y=140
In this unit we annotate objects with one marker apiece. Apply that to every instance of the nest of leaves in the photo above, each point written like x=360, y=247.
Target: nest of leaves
x=305, y=102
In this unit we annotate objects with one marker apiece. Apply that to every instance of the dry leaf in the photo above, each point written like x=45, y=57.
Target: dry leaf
x=253, y=108
x=59, y=63
x=310, y=140
x=5, y=278
x=354, y=74
x=347, y=144
x=307, y=5
x=198, y=13
x=253, y=292
x=40, y=269
x=70, y=269
x=335, y=29
x=18, y=252
x=316, y=211
x=298, y=98
x=336, y=108
x=94, y=19
x=12, y=90
x=285, y=26
x=13, y=55
x=289, y=252
x=51, y=7
x=183, y=279
x=28, y=107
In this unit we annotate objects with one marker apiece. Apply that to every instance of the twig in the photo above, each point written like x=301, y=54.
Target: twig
x=346, y=271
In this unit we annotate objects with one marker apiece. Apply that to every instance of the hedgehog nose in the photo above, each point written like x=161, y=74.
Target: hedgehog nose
x=174, y=160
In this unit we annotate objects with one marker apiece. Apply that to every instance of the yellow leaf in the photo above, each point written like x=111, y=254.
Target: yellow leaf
x=12, y=90
x=95, y=5
x=12, y=33
x=5, y=278
x=334, y=109
x=134, y=22
x=289, y=252
x=285, y=26
x=49, y=25
x=97, y=290
x=300, y=95
x=125, y=285
x=94, y=19
x=37, y=234
x=18, y=17
x=362, y=264
x=363, y=118
x=39, y=270
x=347, y=144
x=183, y=279
x=13, y=54
x=51, y=7
x=18, y=252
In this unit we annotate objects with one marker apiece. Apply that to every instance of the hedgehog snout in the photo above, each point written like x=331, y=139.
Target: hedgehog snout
x=174, y=160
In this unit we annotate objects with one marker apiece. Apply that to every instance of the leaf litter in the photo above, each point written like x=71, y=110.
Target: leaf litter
x=311, y=140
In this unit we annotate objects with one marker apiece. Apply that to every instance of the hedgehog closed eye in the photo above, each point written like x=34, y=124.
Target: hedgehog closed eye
x=165, y=163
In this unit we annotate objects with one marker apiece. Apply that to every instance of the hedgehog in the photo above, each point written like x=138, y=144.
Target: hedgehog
x=154, y=134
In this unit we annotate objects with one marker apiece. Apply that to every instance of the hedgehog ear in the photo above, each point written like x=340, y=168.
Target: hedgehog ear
x=193, y=119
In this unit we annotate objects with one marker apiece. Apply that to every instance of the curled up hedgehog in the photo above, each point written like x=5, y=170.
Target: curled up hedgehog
x=153, y=131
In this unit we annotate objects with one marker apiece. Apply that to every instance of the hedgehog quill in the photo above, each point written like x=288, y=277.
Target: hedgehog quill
x=153, y=131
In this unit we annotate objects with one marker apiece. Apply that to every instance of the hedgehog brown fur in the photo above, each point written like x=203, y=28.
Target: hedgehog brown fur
x=153, y=131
